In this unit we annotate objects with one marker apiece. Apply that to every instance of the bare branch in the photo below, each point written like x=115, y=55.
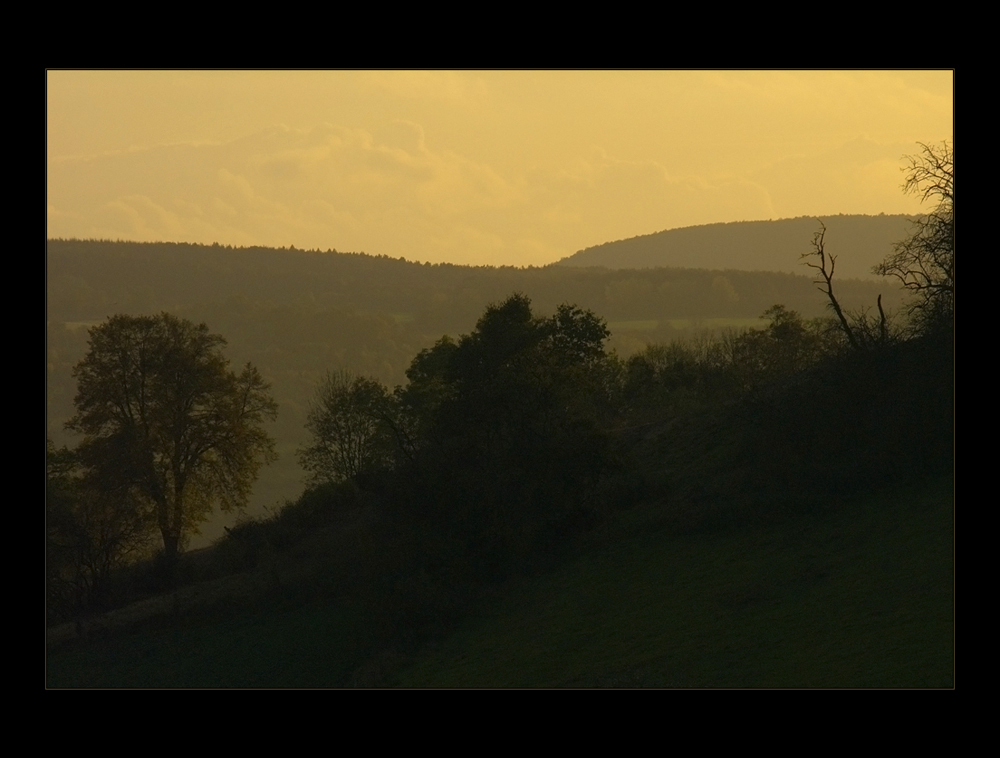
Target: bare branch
x=826, y=284
x=924, y=262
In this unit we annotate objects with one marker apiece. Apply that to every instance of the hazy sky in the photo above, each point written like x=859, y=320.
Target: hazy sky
x=496, y=167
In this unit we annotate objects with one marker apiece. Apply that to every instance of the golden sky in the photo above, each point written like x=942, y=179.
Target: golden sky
x=474, y=167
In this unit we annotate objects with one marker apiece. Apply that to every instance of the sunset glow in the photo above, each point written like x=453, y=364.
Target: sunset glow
x=496, y=167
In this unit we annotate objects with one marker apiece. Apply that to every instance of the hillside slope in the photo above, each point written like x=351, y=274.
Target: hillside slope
x=861, y=241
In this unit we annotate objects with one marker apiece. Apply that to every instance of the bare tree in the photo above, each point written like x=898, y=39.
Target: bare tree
x=925, y=261
x=826, y=266
x=860, y=329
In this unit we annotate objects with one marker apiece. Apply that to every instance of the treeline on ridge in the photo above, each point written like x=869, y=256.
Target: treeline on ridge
x=87, y=279
x=752, y=245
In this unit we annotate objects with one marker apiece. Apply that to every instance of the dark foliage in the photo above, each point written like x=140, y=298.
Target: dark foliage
x=512, y=435
x=861, y=421
x=95, y=525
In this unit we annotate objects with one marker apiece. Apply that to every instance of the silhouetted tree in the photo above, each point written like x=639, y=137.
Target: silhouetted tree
x=825, y=265
x=509, y=417
x=429, y=386
x=164, y=418
x=860, y=328
x=925, y=261
x=352, y=425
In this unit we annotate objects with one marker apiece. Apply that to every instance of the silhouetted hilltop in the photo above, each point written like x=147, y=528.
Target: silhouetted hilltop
x=754, y=245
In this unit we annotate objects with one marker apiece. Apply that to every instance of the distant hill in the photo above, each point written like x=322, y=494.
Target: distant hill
x=859, y=242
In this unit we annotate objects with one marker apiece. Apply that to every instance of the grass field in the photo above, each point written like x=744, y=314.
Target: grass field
x=861, y=595
x=858, y=598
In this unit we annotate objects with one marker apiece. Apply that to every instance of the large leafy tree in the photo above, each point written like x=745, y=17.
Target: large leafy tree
x=165, y=418
x=510, y=425
x=514, y=378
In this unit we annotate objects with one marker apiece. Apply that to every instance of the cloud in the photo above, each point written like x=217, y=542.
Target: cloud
x=610, y=198
x=448, y=86
x=279, y=186
x=851, y=177
x=390, y=193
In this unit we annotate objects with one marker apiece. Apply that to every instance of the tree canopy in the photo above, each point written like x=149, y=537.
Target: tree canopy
x=508, y=420
x=513, y=375
x=165, y=419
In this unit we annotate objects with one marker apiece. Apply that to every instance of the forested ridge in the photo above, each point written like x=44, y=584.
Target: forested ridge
x=87, y=279
x=751, y=245
x=471, y=433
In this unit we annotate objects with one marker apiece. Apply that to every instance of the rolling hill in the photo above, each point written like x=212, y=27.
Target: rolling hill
x=754, y=245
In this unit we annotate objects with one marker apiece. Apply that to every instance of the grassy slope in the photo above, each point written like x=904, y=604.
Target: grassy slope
x=860, y=597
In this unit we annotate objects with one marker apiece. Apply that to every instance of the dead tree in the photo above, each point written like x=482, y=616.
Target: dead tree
x=825, y=267
x=862, y=332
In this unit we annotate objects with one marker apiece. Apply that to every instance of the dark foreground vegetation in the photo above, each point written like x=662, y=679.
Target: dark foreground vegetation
x=769, y=507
